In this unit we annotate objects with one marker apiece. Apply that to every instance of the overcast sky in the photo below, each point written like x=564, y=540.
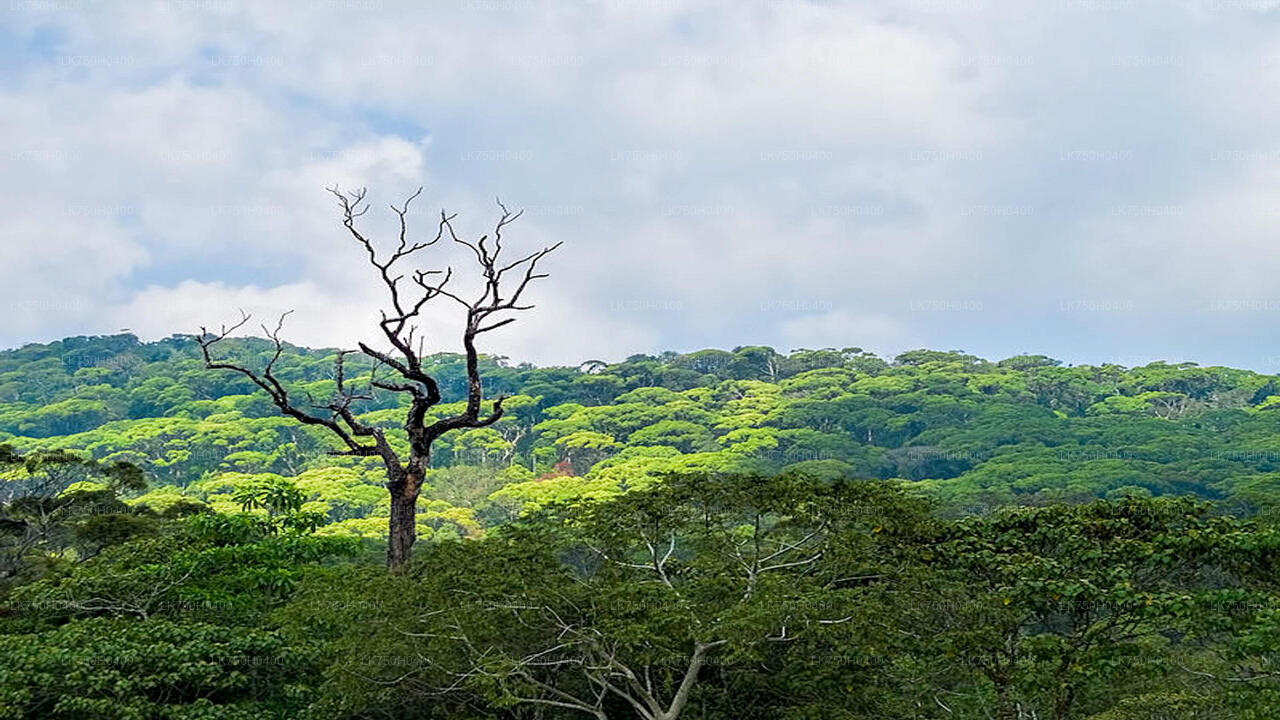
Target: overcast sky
x=1096, y=180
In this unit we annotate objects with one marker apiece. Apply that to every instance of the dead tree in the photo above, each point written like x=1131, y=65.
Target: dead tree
x=504, y=284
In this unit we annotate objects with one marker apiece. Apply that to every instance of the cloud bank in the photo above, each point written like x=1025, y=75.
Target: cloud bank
x=1092, y=179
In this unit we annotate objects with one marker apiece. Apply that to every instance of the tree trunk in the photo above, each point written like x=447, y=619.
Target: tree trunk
x=1066, y=698
x=1004, y=705
x=402, y=527
x=681, y=698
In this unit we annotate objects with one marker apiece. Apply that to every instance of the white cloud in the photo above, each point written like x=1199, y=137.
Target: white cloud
x=792, y=173
x=156, y=312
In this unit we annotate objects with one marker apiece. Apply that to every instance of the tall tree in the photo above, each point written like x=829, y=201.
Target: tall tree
x=504, y=283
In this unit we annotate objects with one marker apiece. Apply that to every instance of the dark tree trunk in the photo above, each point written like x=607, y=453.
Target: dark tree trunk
x=1062, y=708
x=402, y=528
x=1004, y=705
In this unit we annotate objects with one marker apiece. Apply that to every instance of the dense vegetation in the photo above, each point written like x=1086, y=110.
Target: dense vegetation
x=973, y=434
x=719, y=534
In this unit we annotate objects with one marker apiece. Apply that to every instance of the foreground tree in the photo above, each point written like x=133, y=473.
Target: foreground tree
x=1069, y=611
x=504, y=283
x=173, y=624
x=651, y=606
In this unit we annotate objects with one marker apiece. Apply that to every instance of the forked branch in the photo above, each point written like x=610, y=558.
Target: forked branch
x=410, y=286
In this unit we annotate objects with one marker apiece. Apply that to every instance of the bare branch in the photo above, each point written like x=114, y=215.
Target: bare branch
x=410, y=286
x=268, y=381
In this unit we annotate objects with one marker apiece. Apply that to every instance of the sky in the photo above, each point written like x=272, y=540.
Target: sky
x=1094, y=180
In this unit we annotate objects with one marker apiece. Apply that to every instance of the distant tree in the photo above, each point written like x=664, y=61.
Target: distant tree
x=405, y=475
x=1027, y=362
x=757, y=362
x=592, y=367
x=921, y=357
x=708, y=362
x=53, y=500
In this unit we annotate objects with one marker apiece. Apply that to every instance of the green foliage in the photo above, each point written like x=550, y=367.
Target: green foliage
x=975, y=434
x=697, y=571
x=117, y=669
x=57, y=506
x=170, y=626
x=819, y=534
x=1059, y=607
x=810, y=596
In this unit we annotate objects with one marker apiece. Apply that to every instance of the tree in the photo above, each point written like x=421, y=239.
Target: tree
x=1063, y=608
x=404, y=475
x=116, y=668
x=54, y=500
x=630, y=608
x=171, y=625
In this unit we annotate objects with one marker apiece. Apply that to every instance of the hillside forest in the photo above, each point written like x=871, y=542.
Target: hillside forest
x=717, y=534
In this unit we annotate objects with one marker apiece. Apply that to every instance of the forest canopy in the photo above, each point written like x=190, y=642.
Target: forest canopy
x=971, y=433
x=718, y=534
